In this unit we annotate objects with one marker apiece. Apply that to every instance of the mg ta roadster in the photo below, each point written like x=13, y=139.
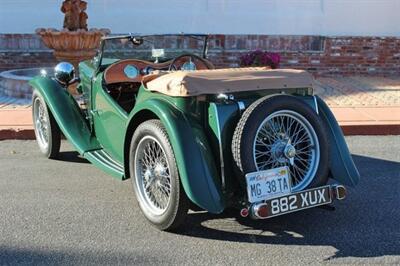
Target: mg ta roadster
x=192, y=136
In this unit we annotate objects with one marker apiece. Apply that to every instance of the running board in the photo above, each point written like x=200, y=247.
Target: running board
x=105, y=162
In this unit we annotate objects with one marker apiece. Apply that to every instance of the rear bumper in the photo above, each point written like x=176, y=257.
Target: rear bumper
x=294, y=202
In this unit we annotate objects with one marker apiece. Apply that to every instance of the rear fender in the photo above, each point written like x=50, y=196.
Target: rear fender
x=342, y=166
x=67, y=113
x=193, y=155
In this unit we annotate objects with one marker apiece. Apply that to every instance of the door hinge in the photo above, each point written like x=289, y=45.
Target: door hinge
x=94, y=112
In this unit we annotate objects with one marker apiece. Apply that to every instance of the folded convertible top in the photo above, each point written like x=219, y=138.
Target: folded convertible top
x=191, y=83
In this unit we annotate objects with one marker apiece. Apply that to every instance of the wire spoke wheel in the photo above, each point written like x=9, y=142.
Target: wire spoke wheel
x=47, y=132
x=286, y=138
x=41, y=123
x=153, y=175
x=283, y=130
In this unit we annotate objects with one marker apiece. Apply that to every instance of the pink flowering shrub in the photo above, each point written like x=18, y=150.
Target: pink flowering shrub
x=260, y=58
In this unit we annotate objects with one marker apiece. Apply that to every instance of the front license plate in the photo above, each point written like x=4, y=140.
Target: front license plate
x=268, y=184
x=298, y=201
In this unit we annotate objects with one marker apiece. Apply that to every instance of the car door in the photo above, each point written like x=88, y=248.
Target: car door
x=109, y=120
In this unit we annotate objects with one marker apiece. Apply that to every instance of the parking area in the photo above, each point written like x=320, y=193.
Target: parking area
x=69, y=212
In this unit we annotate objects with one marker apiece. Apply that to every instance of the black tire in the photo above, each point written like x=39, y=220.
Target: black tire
x=177, y=208
x=50, y=147
x=246, y=130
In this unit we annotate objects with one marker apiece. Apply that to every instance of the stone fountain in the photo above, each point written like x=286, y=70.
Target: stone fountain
x=74, y=43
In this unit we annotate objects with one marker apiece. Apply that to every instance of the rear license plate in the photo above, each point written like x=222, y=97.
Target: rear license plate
x=298, y=201
x=268, y=184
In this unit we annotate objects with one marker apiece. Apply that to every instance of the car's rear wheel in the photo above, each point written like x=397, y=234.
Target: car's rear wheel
x=280, y=131
x=155, y=177
x=47, y=132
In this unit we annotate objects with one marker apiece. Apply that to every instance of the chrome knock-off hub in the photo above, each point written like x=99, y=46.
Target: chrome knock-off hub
x=290, y=151
x=278, y=151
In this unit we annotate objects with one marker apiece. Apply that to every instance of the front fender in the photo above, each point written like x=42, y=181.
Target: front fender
x=67, y=113
x=193, y=155
x=342, y=166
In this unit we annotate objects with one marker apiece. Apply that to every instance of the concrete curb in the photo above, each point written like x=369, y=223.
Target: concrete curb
x=22, y=134
x=351, y=130
x=348, y=130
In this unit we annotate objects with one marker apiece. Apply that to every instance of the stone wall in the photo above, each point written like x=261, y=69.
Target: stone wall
x=317, y=54
x=23, y=51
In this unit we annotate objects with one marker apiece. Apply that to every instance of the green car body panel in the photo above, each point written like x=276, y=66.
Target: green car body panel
x=109, y=121
x=67, y=114
x=223, y=118
x=72, y=122
x=193, y=154
x=200, y=130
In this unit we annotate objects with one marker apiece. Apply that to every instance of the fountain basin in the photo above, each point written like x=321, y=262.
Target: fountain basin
x=73, y=46
x=15, y=83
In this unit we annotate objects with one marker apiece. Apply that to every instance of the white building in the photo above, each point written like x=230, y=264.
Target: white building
x=326, y=37
x=281, y=17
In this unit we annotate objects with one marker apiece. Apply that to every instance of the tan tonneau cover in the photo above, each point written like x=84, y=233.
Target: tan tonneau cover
x=191, y=83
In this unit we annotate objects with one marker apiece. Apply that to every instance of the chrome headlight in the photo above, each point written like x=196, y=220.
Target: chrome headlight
x=64, y=73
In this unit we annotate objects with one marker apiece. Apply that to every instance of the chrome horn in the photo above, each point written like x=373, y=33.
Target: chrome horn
x=64, y=73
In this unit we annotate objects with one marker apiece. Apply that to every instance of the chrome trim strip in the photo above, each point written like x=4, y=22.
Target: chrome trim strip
x=241, y=106
x=221, y=155
x=105, y=154
x=99, y=154
x=316, y=104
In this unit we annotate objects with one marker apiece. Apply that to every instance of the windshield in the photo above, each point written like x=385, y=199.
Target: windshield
x=154, y=48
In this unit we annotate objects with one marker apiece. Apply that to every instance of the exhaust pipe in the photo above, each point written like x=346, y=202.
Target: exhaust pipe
x=339, y=192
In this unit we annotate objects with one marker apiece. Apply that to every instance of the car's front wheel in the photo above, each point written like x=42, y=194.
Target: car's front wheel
x=155, y=176
x=47, y=132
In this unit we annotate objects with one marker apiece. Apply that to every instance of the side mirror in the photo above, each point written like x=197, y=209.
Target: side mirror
x=96, y=59
x=64, y=73
x=137, y=41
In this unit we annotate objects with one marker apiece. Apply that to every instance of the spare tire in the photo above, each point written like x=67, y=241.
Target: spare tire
x=282, y=130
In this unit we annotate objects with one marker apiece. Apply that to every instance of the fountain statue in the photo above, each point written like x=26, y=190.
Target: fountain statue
x=75, y=15
x=75, y=42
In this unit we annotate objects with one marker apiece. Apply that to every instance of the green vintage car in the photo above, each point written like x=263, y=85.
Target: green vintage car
x=192, y=136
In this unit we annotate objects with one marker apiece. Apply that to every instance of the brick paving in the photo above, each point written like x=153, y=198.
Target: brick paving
x=363, y=105
x=359, y=91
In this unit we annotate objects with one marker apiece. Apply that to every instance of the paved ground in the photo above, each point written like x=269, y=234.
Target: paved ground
x=360, y=91
x=69, y=212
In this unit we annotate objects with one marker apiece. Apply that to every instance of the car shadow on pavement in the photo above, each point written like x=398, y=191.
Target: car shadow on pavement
x=46, y=256
x=71, y=156
x=366, y=224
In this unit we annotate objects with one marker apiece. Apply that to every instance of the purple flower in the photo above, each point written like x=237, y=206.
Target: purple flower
x=260, y=58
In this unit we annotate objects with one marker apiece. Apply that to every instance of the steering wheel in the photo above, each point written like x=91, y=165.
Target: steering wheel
x=192, y=58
